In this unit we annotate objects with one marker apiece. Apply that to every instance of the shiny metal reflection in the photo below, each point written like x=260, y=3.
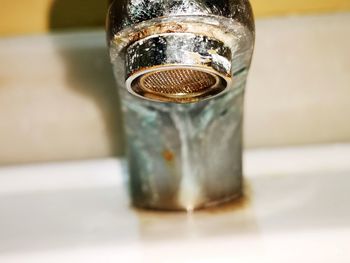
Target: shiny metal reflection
x=178, y=67
x=177, y=84
x=193, y=56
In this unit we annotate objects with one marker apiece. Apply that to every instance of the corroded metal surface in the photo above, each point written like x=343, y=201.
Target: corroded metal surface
x=186, y=152
x=127, y=13
x=227, y=22
x=178, y=51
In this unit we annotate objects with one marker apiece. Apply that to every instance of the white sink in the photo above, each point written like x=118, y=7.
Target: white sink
x=297, y=209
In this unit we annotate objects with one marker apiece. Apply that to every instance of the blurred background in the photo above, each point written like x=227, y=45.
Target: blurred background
x=58, y=99
x=40, y=16
x=58, y=102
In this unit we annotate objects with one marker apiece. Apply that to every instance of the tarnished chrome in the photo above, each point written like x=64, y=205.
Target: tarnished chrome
x=182, y=68
x=124, y=15
x=178, y=84
x=144, y=35
x=176, y=52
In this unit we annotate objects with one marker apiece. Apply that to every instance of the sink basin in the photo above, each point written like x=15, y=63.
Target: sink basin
x=296, y=208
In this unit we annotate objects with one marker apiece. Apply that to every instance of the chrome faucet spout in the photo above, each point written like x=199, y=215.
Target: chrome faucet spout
x=182, y=67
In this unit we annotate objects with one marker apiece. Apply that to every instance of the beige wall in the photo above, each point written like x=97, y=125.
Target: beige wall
x=58, y=98
x=36, y=16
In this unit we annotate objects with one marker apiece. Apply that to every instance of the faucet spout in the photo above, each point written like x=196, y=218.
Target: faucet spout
x=181, y=67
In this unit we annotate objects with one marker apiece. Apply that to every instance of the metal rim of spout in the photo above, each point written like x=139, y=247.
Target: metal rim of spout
x=136, y=87
x=178, y=67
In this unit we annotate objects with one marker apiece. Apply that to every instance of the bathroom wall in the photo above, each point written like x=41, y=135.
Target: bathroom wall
x=37, y=16
x=58, y=99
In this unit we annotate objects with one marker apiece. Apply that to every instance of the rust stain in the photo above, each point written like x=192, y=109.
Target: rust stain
x=156, y=29
x=231, y=206
x=237, y=204
x=233, y=217
x=168, y=156
x=134, y=36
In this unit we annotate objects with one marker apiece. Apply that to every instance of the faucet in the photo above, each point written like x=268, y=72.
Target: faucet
x=181, y=67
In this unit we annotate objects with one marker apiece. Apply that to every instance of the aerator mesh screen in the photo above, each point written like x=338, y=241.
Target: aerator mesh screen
x=177, y=82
